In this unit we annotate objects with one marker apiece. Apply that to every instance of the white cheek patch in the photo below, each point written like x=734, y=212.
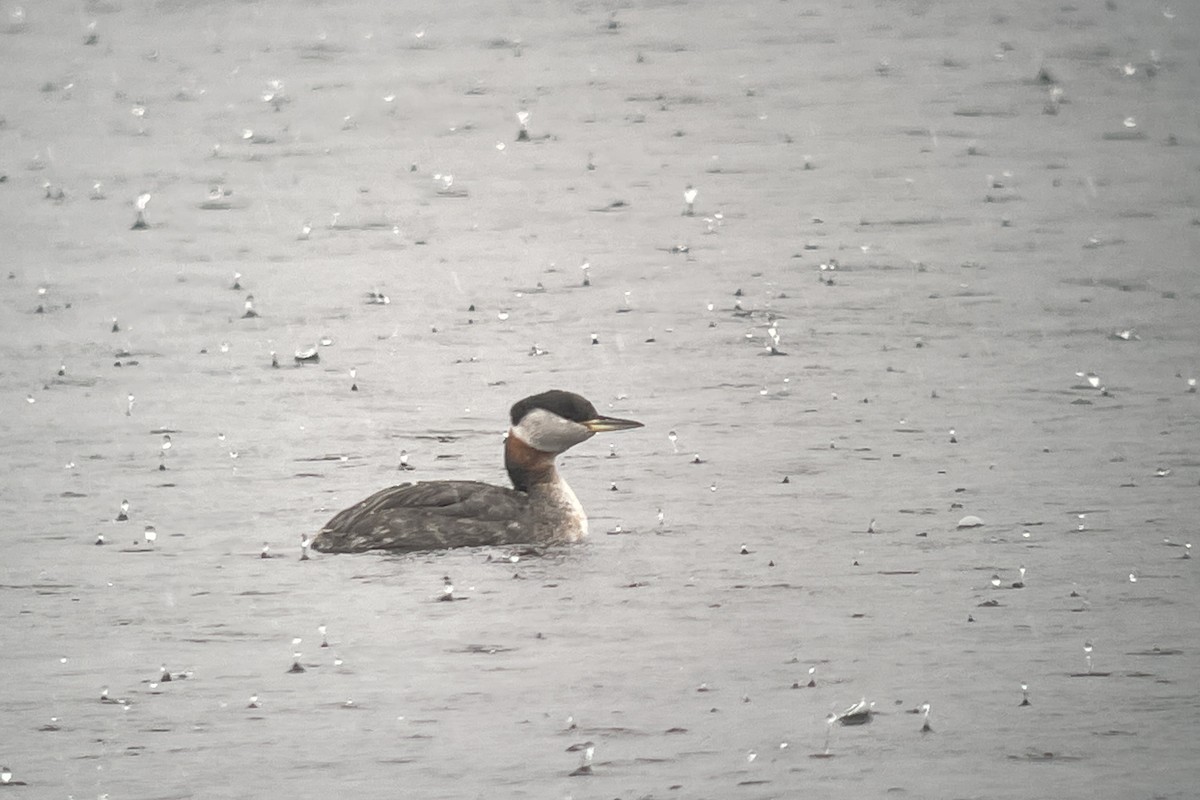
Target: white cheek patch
x=549, y=432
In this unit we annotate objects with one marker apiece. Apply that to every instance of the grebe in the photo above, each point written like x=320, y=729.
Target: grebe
x=432, y=515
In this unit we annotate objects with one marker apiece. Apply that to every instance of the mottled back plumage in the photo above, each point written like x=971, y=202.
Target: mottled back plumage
x=428, y=516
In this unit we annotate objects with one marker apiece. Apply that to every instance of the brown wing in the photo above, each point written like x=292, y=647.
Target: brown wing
x=428, y=516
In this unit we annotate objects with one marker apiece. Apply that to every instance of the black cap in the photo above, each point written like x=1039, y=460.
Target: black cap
x=567, y=405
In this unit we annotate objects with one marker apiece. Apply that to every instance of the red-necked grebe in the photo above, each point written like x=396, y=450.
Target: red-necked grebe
x=539, y=509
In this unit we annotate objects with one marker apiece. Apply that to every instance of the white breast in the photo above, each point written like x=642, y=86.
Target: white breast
x=559, y=514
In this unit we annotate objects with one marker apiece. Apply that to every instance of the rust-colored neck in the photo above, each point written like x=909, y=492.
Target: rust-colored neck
x=527, y=465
